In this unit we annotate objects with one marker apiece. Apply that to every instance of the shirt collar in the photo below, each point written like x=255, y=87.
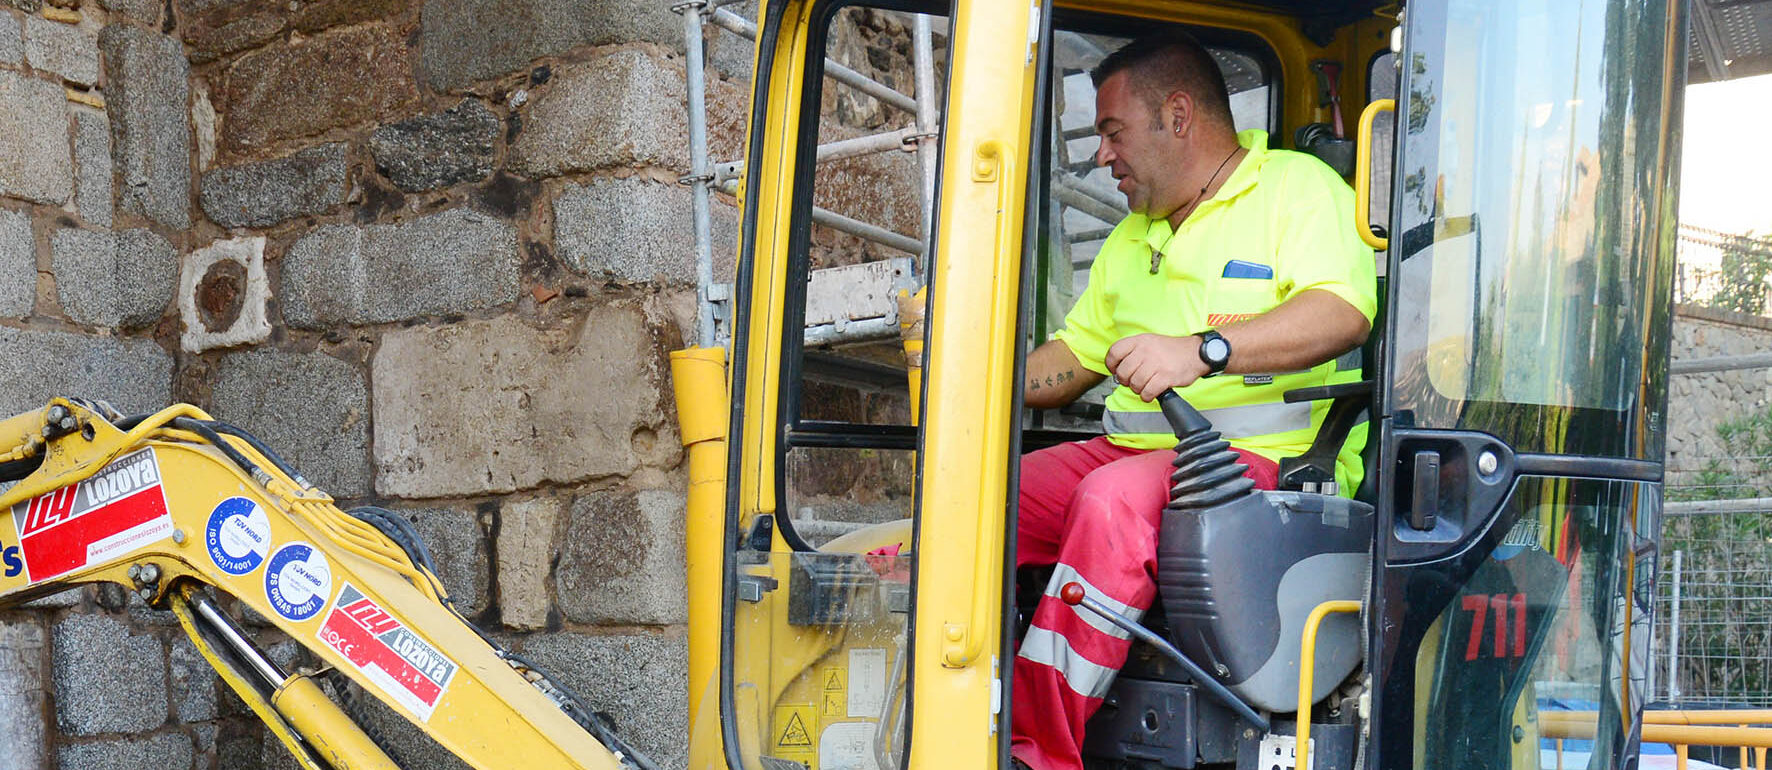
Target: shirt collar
x=1249, y=169
x=1157, y=232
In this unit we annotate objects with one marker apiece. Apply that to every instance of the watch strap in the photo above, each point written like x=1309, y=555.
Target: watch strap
x=1216, y=365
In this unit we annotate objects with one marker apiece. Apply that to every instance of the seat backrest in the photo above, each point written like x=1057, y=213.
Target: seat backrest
x=1238, y=581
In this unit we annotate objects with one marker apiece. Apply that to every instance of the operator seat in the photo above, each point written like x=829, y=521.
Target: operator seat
x=1236, y=582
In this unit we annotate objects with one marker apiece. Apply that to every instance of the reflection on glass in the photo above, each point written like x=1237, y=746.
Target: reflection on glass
x=1526, y=218
x=1531, y=647
x=831, y=492
x=819, y=674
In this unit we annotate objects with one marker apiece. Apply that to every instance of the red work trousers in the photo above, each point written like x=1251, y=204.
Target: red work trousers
x=1092, y=509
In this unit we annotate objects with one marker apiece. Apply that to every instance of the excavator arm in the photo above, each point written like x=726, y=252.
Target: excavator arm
x=183, y=510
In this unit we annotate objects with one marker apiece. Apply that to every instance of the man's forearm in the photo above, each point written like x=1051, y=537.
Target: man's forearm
x=1310, y=328
x=1306, y=330
x=1055, y=377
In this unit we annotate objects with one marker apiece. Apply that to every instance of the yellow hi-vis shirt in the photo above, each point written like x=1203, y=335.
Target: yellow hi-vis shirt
x=1282, y=223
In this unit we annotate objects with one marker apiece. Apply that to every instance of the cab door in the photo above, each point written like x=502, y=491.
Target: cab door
x=880, y=647
x=1525, y=381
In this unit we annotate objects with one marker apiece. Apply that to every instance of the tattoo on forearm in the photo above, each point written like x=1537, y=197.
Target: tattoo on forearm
x=1051, y=380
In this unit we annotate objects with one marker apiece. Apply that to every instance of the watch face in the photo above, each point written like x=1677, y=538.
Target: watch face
x=1216, y=349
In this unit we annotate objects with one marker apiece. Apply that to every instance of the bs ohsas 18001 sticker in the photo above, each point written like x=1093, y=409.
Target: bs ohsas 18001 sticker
x=298, y=581
x=112, y=512
x=405, y=666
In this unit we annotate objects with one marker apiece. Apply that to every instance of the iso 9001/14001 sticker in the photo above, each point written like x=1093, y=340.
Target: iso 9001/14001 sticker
x=237, y=536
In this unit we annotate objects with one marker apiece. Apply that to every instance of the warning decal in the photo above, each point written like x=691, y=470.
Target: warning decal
x=847, y=746
x=116, y=510
x=794, y=734
x=836, y=704
x=867, y=683
x=405, y=666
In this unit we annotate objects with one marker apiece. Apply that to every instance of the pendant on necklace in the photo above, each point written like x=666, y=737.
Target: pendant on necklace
x=1156, y=260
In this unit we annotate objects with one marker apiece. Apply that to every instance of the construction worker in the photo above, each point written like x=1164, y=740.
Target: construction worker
x=1236, y=260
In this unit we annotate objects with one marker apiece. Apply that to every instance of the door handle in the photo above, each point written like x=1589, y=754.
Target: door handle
x=1424, y=505
x=1363, y=175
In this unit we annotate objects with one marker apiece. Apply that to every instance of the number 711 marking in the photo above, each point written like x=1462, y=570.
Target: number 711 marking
x=1479, y=605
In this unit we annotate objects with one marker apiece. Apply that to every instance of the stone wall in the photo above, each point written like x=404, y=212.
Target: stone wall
x=433, y=251
x=1697, y=403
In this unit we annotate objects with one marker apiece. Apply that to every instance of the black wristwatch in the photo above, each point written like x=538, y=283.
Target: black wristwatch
x=1215, y=350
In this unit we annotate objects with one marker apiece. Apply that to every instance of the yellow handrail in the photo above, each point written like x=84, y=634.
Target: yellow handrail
x=1307, y=667
x=1682, y=729
x=1363, y=175
x=964, y=644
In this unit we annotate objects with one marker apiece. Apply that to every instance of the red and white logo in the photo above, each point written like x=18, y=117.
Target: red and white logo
x=114, y=511
x=406, y=667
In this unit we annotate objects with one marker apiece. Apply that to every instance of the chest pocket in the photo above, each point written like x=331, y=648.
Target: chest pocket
x=1239, y=288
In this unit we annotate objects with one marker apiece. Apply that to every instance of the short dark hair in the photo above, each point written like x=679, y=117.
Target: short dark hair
x=1162, y=63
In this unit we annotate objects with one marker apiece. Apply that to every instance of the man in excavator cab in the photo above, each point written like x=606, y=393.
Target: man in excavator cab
x=1234, y=279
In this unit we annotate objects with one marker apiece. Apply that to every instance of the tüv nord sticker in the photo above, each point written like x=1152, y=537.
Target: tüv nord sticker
x=238, y=536
x=114, y=511
x=298, y=581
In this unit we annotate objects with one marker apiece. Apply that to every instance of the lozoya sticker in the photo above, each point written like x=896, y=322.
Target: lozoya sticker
x=238, y=536
x=112, y=512
x=405, y=666
x=298, y=581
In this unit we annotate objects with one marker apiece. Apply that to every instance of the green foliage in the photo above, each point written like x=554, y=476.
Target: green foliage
x=1726, y=616
x=1744, y=279
x=1748, y=442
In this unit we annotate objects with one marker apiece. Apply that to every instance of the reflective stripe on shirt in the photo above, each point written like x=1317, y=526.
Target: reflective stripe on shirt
x=1230, y=421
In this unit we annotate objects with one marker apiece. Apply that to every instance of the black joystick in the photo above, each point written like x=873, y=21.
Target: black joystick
x=1207, y=472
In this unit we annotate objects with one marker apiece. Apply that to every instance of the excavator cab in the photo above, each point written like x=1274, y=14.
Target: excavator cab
x=853, y=509
x=1480, y=599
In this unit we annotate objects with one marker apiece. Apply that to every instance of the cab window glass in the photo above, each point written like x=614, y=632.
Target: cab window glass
x=862, y=241
x=1524, y=222
x=1524, y=665
x=1082, y=203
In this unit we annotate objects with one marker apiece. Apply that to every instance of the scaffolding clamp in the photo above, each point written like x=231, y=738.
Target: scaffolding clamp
x=914, y=139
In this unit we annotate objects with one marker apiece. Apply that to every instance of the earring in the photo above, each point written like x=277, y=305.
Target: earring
x=1178, y=130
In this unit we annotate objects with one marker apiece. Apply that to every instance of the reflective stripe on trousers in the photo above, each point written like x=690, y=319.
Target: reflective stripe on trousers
x=1230, y=421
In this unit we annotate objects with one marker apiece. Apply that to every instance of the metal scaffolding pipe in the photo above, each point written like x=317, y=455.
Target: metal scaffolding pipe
x=1071, y=197
x=1707, y=507
x=928, y=117
x=886, y=141
x=857, y=228
x=1080, y=132
x=1106, y=197
x=1673, y=643
x=866, y=231
x=738, y=25
x=700, y=175
x=1089, y=236
x=1722, y=363
x=844, y=148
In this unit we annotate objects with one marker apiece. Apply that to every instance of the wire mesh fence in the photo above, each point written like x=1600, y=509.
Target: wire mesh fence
x=1713, y=620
